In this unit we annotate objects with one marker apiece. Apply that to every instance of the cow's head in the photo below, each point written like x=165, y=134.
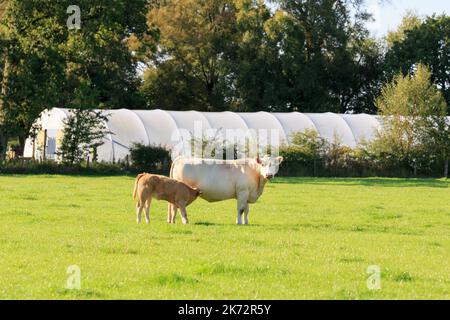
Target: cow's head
x=269, y=166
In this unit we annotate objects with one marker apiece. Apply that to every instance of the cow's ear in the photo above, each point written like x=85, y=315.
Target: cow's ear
x=258, y=160
x=280, y=159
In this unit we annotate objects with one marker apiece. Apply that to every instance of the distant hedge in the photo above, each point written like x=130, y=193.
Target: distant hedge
x=310, y=155
x=142, y=158
x=51, y=167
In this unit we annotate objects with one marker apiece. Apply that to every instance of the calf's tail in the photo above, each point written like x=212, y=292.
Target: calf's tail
x=136, y=184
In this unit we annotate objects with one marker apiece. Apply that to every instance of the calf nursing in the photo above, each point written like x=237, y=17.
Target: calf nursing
x=150, y=186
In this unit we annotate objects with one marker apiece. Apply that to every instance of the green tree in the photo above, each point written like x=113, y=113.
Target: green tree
x=409, y=22
x=427, y=43
x=194, y=36
x=238, y=55
x=43, y=62
x=107, y=49
x=84, y=129
x=328, y=61
x=214, y=55
x=32, y=69
x=416, y=128
x=253, y=67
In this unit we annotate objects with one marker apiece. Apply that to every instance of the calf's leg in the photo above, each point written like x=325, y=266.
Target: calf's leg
x=169, y=213
x=147, y=210
x=173, y=213
x=184, y=214
x=139, y=208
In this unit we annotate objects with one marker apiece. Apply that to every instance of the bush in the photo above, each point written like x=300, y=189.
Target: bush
x=21, y=166
x=416, y=131
x=310, y=155
x=150, y=159
x=144, y=159
x=297, y=163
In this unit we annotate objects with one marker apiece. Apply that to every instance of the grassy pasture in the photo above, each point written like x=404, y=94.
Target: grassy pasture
x=308, y=239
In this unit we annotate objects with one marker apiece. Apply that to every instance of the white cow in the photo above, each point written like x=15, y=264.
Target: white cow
x=220, y=180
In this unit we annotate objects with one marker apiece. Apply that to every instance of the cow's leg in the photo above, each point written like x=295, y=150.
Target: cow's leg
x=139, y=208
x=147, y=210
x=247, y=209
x=184, y=214
x=239, y=215
x=173, y=213
x=169, y=212
x=241, y=205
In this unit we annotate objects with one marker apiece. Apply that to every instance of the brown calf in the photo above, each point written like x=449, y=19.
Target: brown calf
x=179, y=194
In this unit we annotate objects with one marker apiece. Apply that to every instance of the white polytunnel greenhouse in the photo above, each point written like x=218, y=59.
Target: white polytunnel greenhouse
x=157, y=127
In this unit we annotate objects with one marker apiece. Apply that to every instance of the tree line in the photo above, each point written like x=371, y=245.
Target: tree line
x=207, y=55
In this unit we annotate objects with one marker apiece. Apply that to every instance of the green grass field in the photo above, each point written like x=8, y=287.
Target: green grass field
x=308, y=239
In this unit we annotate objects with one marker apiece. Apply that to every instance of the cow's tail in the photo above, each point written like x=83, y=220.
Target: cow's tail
x=173, y=165
x=169, y=205
x=136, y=184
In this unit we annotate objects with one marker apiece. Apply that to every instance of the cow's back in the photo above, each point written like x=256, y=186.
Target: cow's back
x=217, y=180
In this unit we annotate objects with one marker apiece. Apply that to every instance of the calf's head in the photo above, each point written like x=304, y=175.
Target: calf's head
x=269, y=166
x=194, y=194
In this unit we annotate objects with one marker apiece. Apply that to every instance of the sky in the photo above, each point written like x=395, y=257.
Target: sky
x=388, y=14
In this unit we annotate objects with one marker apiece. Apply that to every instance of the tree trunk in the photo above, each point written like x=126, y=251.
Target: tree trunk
x=446, y=163
x=4, y=90
x=44, y=151
x=315, y=168
x=3, y=146
x=21, y=150
x=4, y=87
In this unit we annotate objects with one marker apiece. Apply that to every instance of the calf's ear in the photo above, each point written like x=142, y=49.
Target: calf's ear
x=280, y=159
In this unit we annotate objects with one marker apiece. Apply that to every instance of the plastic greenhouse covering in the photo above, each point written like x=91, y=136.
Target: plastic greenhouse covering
x=162, y=128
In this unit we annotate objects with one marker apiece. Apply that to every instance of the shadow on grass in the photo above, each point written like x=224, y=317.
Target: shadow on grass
x=207, y=224
x=368, y=182
x=239, y=269
x=174, y=279
x=79, y=294
x=214, y=224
